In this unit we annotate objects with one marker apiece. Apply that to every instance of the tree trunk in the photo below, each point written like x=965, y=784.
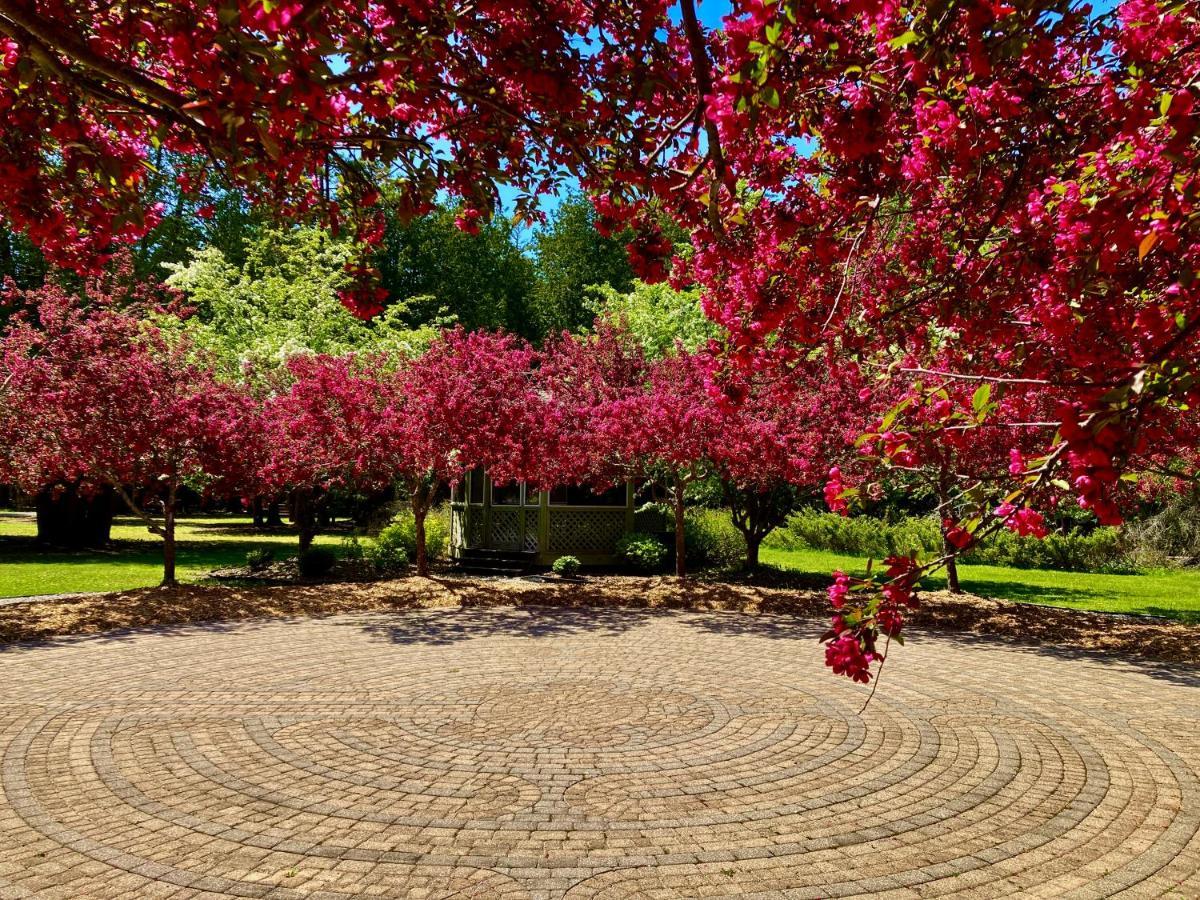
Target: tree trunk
x=169, y=540
x=753, y=541
x=65, y=518
x=274, y=518
x=680, y=543
x=304, y=516
x=420, y=506
x=948, y=549
x=951, y=570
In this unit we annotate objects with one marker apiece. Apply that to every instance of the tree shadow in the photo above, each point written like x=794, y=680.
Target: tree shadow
x=1013, y=590
x=1186, y=616
x=1175, y=673
x=450, y=626
x=446, y=609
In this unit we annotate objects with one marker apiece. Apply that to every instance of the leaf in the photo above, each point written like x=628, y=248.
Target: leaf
x=1147, y=245
x=903, y=40
x=981, y=398
x=1119, y=394
x=892, y=413
x=1164, y=103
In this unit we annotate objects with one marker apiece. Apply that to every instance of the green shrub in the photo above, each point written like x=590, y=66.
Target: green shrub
x=259, y=558
x=385, y=558
x=401, y=533
x=858, y=535
x=711, y=539
x=566, y=565
x=1101, y=550
x=352, y=548
x=316, y=561
x=643, y=552
x=1174, y=531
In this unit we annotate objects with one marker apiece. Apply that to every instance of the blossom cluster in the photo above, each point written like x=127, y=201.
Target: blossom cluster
x=853, y=640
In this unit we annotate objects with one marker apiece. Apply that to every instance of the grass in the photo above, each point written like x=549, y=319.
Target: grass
x=206, y=543
x=135, y=559
x=1173, y=593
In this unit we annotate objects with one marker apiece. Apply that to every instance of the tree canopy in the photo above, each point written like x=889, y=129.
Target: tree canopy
x=283, y=300
x=966, y=193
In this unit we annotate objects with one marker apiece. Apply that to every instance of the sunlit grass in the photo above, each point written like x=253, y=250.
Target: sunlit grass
x=207, y=543
x=1174, y=593
x=135, y=559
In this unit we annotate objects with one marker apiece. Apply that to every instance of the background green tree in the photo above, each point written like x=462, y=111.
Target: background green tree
x=659, y=317
x=570, y=255
x=434, y=269
x=283, y=300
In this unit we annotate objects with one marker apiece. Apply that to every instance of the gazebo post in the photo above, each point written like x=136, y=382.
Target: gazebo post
x=543, y=530
x=487, y=510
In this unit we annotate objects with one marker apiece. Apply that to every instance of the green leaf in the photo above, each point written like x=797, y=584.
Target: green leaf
x=981, y=398
x=1164, y=103
x=903, y=40
x=890, y=417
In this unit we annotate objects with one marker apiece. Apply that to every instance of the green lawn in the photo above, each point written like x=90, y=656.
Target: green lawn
x=213, y=542
x=135, y=559
x=1169, y=592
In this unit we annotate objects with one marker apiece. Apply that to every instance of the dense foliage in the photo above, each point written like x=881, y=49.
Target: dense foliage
x=93, y=396
x=984, y=214
x=284, y=299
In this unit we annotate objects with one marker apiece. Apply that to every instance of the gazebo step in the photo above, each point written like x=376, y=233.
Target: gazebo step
x=495, y=553
x=489, y=561
x=495, y=571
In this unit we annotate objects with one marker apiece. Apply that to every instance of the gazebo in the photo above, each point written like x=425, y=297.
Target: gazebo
x=544, y=525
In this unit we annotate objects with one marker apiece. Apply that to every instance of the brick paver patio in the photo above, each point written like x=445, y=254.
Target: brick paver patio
x=585, y=754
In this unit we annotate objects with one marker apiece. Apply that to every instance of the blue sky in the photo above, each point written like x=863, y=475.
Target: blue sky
x=710, y=13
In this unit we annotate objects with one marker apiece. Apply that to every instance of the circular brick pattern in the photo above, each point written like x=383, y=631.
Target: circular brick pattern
x=585, y=754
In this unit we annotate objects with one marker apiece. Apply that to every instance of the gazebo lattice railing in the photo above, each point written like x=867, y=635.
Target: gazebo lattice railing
x=549, y=524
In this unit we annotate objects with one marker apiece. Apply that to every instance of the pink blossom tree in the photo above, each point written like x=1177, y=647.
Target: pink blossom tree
x=323, y=433
x=666, y=432
x=91, y=394
x=1004, y=191
x=469, y=401
x=782, y=429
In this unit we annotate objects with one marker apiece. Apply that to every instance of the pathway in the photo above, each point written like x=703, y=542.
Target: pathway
x=585, y=754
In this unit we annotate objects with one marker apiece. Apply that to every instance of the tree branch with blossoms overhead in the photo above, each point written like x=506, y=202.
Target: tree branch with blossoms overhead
x=980, y=193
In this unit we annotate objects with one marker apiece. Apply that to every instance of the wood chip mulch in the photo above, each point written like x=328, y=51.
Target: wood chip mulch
x=1117, y=636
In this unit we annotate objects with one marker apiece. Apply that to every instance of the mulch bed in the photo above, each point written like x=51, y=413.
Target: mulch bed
x=1119, y=636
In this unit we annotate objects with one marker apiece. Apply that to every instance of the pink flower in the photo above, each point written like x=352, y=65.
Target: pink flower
x=845, y=656
x=839, y=590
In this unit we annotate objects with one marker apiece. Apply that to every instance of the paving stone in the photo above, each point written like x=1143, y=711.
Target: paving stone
x=585, y=754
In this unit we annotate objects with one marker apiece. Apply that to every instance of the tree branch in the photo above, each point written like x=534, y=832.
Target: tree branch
x=56, y=39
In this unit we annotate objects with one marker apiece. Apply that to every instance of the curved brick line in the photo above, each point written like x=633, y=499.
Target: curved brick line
x=1036, y=797
x=26, y=806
